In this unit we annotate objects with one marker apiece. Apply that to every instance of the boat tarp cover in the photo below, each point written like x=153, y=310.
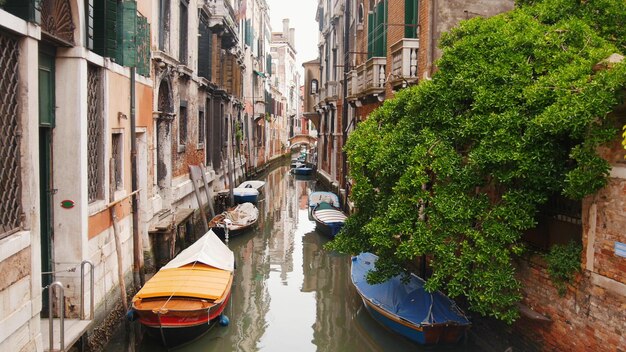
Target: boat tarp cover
x=321, y=196
x=243, y=214
x=327, y=214
x=209, y=250
x=192, y=280
x=407, y=300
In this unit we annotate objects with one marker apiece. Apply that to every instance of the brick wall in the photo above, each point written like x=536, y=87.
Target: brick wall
x=591, y=316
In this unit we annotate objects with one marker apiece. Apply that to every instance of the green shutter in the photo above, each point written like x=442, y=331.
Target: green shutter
x=384, y=27
x=248, y=33
x=410, y=18
x=370, y=34
x=27, y=10
x=268, y=63
x=379, y=30
x=143, y=46
x=105, y=28
x=127, y=31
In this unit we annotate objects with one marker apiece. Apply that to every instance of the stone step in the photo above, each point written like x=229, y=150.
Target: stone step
x=74, y=329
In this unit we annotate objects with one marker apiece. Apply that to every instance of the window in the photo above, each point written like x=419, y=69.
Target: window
x=411, y=18
x=201, y=128
x=377, y=30
x=182, y=126
x=360, y=13
x=95, y=157
x=204, y=47
x=314, y=86
x=10, y=177
x=164, y=23
x=117, y=161
x=559, y=221
x=183, y=31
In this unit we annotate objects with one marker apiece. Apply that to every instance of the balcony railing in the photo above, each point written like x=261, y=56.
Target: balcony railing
x=375, y=71
x=331, y=91
x=404, y=62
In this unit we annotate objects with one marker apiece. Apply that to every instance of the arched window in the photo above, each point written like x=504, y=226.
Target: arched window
x=360, y=13
x=314, y=86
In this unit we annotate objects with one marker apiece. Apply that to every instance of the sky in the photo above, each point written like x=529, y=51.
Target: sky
x=301, y=14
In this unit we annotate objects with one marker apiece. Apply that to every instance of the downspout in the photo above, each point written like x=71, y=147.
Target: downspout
x=138, y=274
x=344, y=110
x=431, y=39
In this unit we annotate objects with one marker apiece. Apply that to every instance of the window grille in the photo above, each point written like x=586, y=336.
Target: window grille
x=10, y=180
x=94, y=133
x=182, y=124
x=200, y=128
x=117, y=149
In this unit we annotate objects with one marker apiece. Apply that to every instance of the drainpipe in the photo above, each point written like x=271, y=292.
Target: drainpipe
x=344, y=110
x=431, y=39
x=138, y=274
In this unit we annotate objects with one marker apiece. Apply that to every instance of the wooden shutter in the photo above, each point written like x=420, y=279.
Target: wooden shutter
x=89, y=24
x=127, y=32
x=105, y=28
x=204, y=47
x=370, y=34
x=143, y=46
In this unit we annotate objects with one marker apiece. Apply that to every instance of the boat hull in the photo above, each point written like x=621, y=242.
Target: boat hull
x=239, y=199
x=176, y=328
x=329, y=229
x=423, y=335
x=219, y=230
x=302, y=171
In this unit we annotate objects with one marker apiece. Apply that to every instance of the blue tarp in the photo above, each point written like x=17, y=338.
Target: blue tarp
x=407, y=300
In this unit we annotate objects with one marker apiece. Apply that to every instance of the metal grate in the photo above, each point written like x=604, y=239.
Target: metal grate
x=10, y=180
x=116, y=155
x=56, y=19
x=94, y=134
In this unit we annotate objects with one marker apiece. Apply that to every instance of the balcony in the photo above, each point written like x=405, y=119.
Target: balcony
x=222, y=21
x=373, y=76
x=404, y=62
x=331, y=91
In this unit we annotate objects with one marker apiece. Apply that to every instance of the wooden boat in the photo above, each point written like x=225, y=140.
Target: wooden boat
x=184, y=299
x=248, y=191
x=406, y=308
x=322, y=196
x=328, y=219
x=240, y=219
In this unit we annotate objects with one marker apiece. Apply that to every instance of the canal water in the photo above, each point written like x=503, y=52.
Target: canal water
x=289, y=293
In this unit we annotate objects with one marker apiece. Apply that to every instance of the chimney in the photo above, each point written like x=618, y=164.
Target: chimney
x=292, y=37
x=286, y=28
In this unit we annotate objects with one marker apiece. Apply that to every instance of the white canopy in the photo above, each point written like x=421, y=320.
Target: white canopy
x=209, y=250
x=241, y=191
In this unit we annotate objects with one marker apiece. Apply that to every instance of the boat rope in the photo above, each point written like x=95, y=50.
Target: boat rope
x=429, y=317
x=161, y=330
x=208, y=318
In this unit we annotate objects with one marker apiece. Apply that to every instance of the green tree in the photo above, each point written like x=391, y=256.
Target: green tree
x=456, y=168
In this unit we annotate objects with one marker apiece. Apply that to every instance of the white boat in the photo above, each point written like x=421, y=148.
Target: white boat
x=245, y=195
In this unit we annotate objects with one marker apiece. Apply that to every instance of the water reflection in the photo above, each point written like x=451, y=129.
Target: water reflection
x=289, y=293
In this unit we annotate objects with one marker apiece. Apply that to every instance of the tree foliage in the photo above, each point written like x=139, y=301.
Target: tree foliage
x=455, y=168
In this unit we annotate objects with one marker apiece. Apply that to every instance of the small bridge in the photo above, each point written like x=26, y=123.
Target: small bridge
x=300, y=139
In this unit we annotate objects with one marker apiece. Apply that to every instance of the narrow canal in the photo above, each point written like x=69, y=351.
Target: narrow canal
x=290, y=294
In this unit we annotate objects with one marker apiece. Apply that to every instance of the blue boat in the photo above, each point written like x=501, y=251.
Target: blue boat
x=328, y=219
x=406, y=308
x=245, y=195
x=302, y=170
x=322, y=196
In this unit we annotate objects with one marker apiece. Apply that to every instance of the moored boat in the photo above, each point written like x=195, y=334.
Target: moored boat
x=256, y=184
x=302, y=170
x=240, y=219
x=328, y=219
x=186, y=297
x=322, y=196
x=406, y=308
x=245, y=195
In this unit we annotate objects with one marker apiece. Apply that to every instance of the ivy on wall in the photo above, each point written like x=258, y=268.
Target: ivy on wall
x=456, y=168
